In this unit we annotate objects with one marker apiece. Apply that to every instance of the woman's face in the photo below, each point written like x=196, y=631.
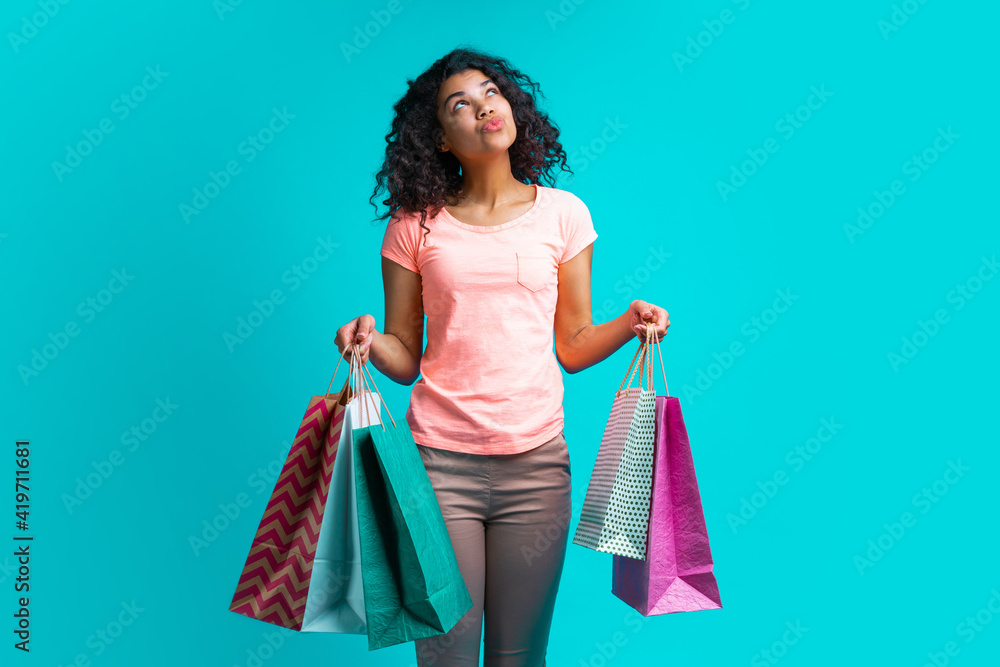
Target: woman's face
x=470, y=110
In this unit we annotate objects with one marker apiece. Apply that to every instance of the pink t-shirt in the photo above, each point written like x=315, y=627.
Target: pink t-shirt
x=489, y=379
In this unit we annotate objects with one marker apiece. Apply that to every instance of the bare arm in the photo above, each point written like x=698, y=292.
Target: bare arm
x=396, y=350
x=579, y=342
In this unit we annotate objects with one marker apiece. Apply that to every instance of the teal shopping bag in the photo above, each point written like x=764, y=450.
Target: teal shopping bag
x=412, y=585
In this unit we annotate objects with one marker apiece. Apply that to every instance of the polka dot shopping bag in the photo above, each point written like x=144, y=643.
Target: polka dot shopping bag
x=615, y=514
x=676, y=574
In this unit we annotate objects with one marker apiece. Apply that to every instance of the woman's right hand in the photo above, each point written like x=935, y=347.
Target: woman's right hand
x=360, y=331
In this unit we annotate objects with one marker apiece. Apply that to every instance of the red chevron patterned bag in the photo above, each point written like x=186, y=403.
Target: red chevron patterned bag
x=275, y=581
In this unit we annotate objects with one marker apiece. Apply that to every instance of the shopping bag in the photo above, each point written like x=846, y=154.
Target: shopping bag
x=413, y=587
x=274, y=584
x=676, y=574
x=615, y=512
x=336, y=602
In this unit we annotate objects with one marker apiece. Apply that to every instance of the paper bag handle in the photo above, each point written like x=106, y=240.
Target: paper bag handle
x=363, y=368
x=644, y=355
x=346, y=347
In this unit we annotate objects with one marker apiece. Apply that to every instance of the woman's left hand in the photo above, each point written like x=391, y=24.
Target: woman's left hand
x=641, y=313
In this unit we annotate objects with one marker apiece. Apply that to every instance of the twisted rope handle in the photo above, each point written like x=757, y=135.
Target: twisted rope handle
x=650, y=331
x=346, y=347
x=644, y=355
x=641, y=355
x=649, y=353
x=362, y=369
x=356, y=383
x=359, y=385
x=629, y=372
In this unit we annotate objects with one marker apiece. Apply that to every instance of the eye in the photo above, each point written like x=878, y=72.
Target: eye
x=490, y=90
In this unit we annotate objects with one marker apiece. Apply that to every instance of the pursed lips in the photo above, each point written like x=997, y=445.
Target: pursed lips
x=493, y=124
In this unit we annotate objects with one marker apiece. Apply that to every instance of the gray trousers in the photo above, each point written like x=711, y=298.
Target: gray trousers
x=508, y=518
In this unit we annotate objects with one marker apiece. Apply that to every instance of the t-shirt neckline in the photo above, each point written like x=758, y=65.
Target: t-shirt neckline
x=496, y=228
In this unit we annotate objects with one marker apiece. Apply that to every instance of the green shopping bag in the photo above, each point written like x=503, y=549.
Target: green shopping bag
x=413, y=587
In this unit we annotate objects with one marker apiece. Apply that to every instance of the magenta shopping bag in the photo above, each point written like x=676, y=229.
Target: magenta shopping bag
x=677, y=572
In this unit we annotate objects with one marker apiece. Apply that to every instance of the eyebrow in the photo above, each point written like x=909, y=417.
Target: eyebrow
x=462, y=92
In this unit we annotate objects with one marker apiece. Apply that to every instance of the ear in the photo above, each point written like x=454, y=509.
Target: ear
x=439, y=140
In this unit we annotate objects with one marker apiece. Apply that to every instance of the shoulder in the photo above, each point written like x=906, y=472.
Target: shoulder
x=571, y=208
x=402, y=230
x=411, y=219
x=401, y=222
x=403, y=217
x=565, y=200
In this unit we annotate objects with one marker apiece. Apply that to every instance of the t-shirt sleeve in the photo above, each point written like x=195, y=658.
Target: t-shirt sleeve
x=579, y=231
x=401, y=241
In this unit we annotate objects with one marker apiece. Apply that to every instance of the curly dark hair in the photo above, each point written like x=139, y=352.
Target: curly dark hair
x=418, y=177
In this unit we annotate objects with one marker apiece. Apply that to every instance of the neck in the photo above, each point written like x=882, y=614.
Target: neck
x=489, y=185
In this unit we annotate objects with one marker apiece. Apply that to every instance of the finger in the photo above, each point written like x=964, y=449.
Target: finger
x=361, y=333
x=343, y=341
x=642, y=324
x=665, y=328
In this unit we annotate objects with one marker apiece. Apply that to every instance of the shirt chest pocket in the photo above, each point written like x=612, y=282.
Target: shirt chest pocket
x=534, y=272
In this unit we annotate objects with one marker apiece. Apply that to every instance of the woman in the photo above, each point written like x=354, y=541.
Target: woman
x=499, y=264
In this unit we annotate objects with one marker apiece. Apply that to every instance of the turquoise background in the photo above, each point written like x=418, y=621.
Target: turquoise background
x=655, y=185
